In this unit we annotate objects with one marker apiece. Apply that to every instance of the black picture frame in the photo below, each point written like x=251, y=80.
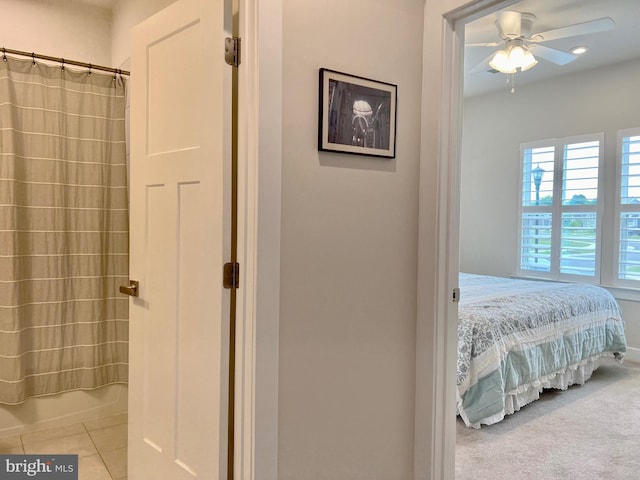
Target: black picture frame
x=356, y=115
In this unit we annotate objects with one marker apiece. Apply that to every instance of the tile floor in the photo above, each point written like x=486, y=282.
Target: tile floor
x=101, y=446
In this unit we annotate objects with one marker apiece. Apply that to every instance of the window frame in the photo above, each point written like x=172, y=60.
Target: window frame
x=558, y=208
x=619, y=208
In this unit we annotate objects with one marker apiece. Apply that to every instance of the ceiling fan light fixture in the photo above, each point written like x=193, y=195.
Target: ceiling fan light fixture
x=515, y=58
x=516, y=55
x=528, y=61
x=501, y=63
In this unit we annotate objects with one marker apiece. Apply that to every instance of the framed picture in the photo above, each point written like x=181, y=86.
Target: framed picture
x=356, y=115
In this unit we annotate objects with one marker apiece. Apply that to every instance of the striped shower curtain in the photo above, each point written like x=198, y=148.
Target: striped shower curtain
x=63, y=230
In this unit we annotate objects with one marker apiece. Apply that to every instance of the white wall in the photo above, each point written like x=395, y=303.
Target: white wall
x=631, y=315
x=348, y=252
x=495, y=124
x=75, y=30
x=59, y=29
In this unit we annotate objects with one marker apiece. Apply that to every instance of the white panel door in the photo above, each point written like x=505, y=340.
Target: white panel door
x=178, y=324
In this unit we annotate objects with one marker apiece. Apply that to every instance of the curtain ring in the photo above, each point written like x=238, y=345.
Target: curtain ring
x=4, y=54
x=89, y=69
x=62, y=67
x=33, y=58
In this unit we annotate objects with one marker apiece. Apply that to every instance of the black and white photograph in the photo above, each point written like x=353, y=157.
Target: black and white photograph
x=357, y=115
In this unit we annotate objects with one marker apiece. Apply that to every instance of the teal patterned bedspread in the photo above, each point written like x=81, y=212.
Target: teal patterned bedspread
x=513, y=332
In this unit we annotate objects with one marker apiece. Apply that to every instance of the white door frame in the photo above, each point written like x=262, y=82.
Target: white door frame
x=259, y=185
x=437, y=339
x=260, y=133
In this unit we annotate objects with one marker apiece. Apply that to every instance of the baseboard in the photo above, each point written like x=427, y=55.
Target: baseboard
x=632, y=355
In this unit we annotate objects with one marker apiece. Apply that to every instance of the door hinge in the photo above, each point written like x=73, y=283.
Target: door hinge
x=231, y=275
x=232, y=51
x=456, y=295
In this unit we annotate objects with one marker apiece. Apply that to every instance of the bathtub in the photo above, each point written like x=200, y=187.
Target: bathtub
x=54, y=411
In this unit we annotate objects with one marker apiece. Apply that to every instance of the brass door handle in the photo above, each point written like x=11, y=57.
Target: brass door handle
x=132, y=289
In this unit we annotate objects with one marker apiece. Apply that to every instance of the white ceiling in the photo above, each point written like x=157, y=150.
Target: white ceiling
x=605, y=48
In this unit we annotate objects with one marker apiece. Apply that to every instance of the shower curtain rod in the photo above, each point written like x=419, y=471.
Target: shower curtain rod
x=63, y=61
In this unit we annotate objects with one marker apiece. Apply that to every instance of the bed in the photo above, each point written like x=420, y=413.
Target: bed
x=517, y=337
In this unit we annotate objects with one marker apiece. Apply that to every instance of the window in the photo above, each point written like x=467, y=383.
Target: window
x=560, y=209
x=629, y=206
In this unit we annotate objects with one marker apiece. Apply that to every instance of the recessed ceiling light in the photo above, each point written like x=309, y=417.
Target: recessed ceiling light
x=579, y=50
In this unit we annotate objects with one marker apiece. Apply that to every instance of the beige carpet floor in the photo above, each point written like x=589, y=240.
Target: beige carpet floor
x=589, y=431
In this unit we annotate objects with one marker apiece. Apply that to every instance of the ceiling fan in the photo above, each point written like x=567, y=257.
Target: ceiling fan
x=519, y=43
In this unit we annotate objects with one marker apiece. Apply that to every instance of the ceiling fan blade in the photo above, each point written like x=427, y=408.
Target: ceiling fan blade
x=489, y=44
x=552, y=55
x=592, y=26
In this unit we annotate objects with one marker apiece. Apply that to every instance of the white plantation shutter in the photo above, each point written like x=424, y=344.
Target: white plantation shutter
x=559, y=221
x=578, y=237
x=629, y=206
x=537, y=209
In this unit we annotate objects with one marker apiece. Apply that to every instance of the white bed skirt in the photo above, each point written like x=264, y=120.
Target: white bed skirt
x=578, y=373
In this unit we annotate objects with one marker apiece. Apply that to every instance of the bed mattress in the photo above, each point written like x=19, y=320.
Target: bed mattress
x=516, y=337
